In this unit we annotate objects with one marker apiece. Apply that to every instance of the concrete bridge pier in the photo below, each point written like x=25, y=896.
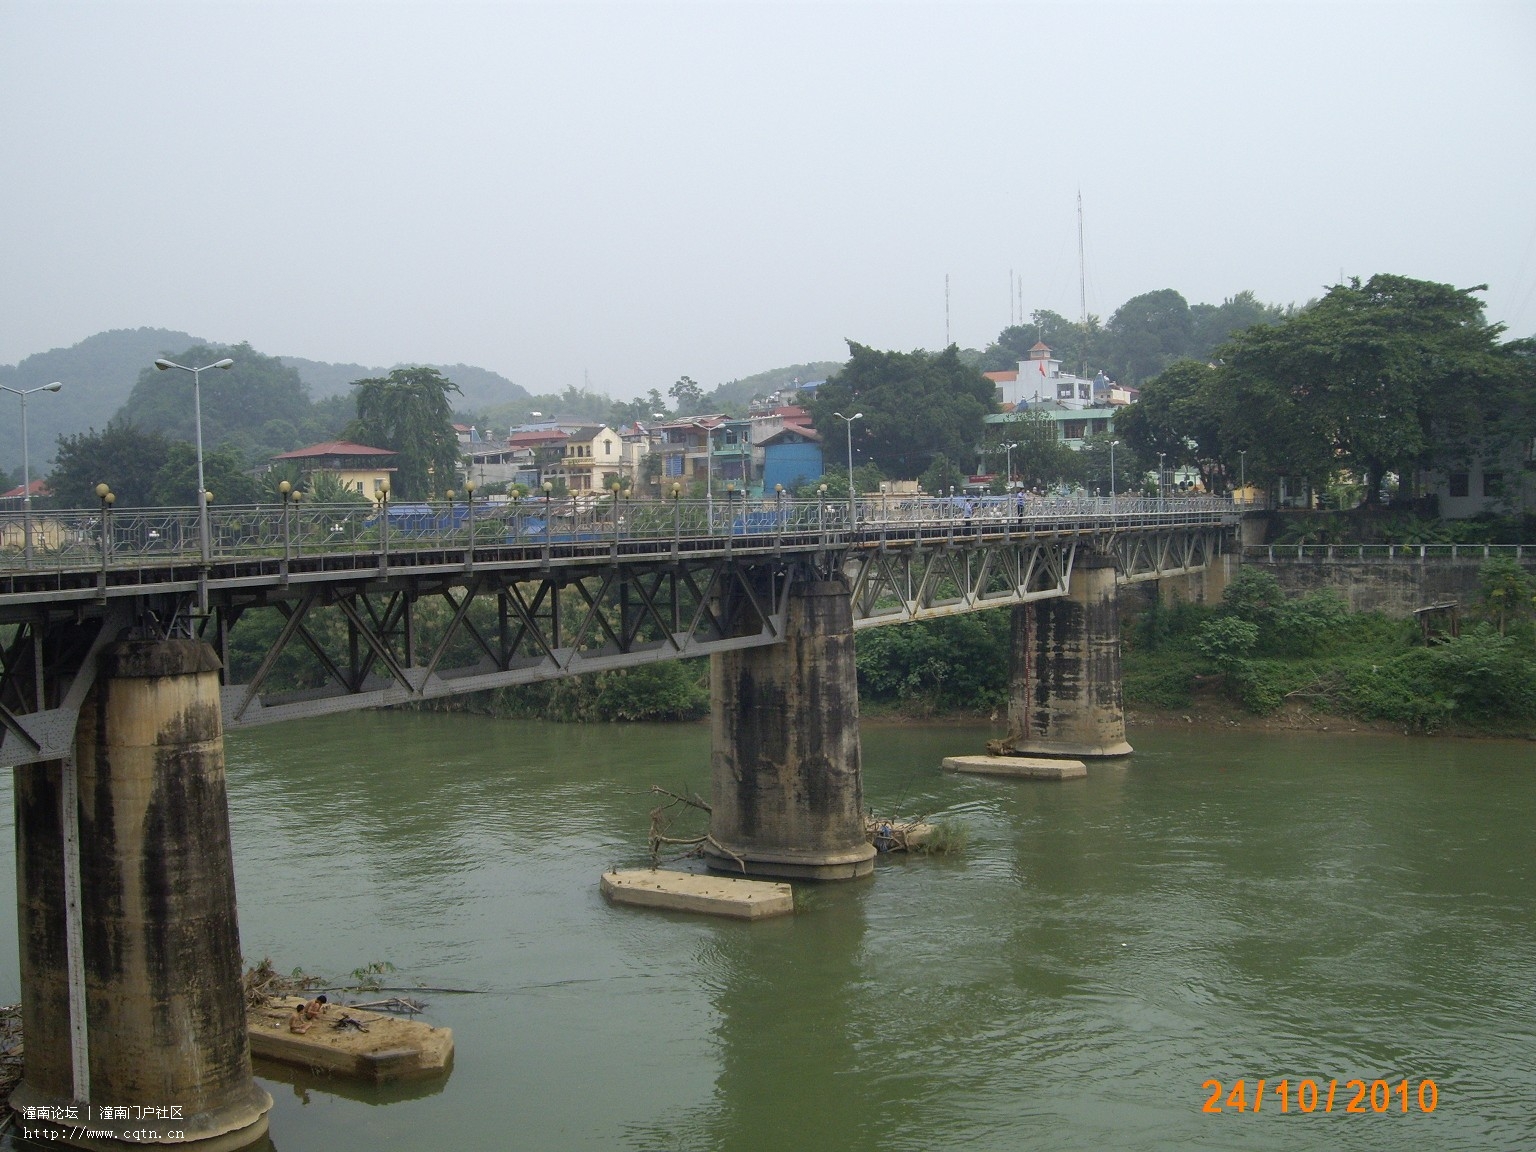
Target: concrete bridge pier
x=160, y=962
x=787, y=792
x=1065, y=696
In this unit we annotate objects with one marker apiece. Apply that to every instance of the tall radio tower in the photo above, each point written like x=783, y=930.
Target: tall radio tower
x=1082, y=275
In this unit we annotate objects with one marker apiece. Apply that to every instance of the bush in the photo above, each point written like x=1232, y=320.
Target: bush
x=955, y=663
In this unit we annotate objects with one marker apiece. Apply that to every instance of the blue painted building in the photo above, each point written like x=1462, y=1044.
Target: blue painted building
x=790, y=457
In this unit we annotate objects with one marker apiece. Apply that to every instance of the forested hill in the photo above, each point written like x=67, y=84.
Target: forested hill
x=735, y=395
x=98, y=374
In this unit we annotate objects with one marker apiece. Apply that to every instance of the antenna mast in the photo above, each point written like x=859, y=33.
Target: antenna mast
x=1082, y=275
x=946, y=309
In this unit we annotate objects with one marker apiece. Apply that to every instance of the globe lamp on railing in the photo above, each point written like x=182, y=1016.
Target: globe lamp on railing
x=107, y=498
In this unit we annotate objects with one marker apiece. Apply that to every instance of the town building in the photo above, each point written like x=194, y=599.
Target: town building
x=590, y=461
x=1039, y=378
x=357, y=467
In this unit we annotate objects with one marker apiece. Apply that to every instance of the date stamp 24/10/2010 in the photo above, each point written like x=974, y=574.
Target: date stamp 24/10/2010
x=1358, y=1096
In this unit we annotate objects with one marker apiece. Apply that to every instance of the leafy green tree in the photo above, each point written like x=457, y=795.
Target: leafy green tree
x=125, y=457
x=409, y=411
x=1080, y=347
x=1096, y=459
x=916, y=405
x=644, y=409
x=1213, y=324
x=941, y=477
x=867, y=478
x=1389, y=375
x=1038, y=457
x=1180, y=415
x=260, y=404
x=1506, y=591
x=688, y=396
x=1147, y=333
x=224, y=472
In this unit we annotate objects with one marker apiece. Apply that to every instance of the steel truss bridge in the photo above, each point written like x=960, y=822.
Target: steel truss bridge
x=331, y=608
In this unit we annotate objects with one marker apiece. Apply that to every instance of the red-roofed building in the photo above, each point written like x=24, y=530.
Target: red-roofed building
x=39, y=488
x=357, y=466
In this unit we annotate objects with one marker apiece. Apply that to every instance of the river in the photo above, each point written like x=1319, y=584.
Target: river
x=1221, y=906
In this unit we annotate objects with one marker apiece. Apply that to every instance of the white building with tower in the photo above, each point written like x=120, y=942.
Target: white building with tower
x=1040, y=378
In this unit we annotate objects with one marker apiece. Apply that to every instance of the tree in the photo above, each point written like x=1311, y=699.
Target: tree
x=1038, y=457
x=688, y=395
x=1390, y=375
x=1147, y=333
x=1180, y=417
x=942, y=477
x=224, y=473
x=260, y=404
x=916, y=405
x=1080, y=347
x=1506, y=591
x=409, y=412
x=1096, y=457
x=1214, y=324
x=126, y=458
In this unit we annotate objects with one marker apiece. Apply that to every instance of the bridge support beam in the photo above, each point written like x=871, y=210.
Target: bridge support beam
x=1065, y=694
x=787, y=793
x=164, y=1004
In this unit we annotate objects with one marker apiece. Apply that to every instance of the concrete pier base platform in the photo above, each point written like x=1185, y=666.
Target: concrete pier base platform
x=1017, y=766
x=692, y=892
x=391, y=1049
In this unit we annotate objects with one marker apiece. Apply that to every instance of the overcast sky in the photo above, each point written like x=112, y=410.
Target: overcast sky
x=627, y=193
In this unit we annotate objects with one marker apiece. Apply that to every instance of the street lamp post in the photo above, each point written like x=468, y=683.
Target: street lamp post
x=549, y=492
x=469, y=498
x=853, y=508
x=1009, y=447
x=709, y=478
x=1160, y=456
x=1112, y=444
x=202, y=493
x=26, y=466
x=1242, y=466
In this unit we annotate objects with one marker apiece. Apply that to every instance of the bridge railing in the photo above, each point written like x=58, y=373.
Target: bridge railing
x=120, y=538
x=1345, y=552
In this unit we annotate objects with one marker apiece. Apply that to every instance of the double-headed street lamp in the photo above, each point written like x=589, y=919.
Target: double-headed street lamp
x=197, y=416
x=26, y=465
x=853, y=508
x=1112, y=444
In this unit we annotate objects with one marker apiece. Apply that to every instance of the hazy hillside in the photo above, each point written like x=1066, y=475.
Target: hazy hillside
x=98, y=374
x=734, y=395
x=482, y=388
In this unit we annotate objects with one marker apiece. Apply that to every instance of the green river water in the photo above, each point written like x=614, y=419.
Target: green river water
x=1220, y=906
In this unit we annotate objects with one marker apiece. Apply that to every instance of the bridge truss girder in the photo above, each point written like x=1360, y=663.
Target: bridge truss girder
x=1170, y=552
x=895, y=583
x=419, y=637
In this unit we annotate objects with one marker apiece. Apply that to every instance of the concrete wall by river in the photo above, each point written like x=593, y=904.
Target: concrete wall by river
x=1374, y=582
